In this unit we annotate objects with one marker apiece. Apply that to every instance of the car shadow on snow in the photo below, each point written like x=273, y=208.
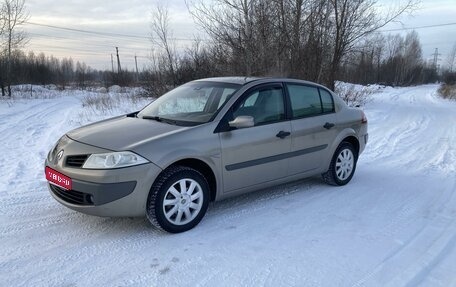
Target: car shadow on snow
x=237, y=206
x=308, y=185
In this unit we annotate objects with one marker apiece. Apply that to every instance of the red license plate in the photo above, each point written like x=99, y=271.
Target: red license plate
x=57, y=178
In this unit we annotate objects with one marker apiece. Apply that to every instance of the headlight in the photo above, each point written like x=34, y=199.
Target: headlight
x=113, y=160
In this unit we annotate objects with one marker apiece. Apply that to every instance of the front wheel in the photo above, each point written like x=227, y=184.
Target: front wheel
x=343, y=165
x=178, y=199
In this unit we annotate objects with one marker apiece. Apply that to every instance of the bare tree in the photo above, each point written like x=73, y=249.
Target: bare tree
x=412, y=59
x=230, y=23
x=161, y=35
x=451, y=60
x=299, y=38
x=14, y=15
x=354, y=19
x=81, y=74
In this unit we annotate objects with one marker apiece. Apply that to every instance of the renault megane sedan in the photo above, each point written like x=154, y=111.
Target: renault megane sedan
x=205, y=141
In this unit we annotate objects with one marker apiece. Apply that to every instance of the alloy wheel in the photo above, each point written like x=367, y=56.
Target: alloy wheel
x=183, y=201
x=344, y=164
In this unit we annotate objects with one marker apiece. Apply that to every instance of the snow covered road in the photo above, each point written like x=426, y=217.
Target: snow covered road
x=394, y=224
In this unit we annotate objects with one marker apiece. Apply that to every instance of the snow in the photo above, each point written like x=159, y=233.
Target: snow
x=394, y=224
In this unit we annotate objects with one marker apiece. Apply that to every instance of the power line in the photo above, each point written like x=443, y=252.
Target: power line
x=82, y=53
x=109, y=34
x=417, y=27
x=87, y=31
x=89, y=45
x=101, y=38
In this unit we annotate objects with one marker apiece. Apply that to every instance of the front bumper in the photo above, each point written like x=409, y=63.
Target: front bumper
x=89, y=193
x=116, y=192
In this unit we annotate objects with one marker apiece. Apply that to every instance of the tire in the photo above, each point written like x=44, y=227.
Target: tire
x=343, y=165
x=172, y=209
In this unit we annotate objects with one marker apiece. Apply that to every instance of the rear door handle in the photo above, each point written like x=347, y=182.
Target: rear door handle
x=328, y=126
x=283, y=134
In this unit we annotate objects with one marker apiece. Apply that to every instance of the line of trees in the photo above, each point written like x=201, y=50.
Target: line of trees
x=40, y=69
x=307, y=39
x=317, y=40
x=18, y=68
x=392, y=60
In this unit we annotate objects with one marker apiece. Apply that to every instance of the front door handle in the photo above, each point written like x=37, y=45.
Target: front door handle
x=328, y=126
x=283, y=134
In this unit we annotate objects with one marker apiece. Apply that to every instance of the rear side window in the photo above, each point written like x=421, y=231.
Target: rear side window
x=305, y=100
x=327, y=101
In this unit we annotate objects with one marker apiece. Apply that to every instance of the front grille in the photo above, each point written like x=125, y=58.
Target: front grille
x=76, y=160
x=72, y=196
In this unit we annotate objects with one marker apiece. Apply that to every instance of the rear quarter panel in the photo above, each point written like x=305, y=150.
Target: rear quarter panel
x=348, y=124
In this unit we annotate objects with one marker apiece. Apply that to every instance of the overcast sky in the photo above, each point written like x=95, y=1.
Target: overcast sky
x=133, y=18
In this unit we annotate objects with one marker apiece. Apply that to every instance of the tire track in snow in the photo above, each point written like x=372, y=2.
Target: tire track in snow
x=30, y=132
x=398, y=132
x=392, y=264
x=429, y=243
x=81, y=249
x=442, y=235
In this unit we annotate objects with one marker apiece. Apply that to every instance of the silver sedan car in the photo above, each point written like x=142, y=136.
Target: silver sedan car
x=205, y=141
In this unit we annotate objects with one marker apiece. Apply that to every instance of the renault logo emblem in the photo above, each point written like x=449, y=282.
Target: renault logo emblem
x=59, y=155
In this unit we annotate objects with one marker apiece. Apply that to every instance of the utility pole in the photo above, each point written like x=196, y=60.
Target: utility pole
x=119, y=69
x=136, y=63
x=112, y=63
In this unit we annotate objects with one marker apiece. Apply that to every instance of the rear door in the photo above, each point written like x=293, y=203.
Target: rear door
x=255, y=155
x=313, y=126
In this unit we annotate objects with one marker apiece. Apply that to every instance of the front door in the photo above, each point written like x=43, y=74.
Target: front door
x=255, y=155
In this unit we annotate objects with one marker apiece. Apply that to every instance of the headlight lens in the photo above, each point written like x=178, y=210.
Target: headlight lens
x=113, y=160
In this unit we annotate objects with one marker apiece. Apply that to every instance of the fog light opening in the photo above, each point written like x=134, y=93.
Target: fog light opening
x=89, y=198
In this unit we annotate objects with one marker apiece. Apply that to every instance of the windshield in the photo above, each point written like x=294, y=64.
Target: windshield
x=192, y=103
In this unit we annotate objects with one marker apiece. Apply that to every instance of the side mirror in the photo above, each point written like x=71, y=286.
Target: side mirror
x=242, y=122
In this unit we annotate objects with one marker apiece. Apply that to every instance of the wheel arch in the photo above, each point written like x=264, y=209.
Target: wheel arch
x=202, y=167
x=354, y=141
x=347, y=135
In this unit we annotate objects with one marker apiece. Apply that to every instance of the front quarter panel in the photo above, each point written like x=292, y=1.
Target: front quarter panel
x=199, y=142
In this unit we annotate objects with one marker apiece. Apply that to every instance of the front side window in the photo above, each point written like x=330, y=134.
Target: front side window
x=265, y=105
x=192, y=103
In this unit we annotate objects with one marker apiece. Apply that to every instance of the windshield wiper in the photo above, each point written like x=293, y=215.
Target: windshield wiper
x=160, y=119
x=155, y=118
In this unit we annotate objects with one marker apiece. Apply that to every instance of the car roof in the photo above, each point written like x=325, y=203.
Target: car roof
x=246, y=80
x=231, y=80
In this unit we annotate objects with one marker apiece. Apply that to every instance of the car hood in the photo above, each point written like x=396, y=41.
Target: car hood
x=122, y=133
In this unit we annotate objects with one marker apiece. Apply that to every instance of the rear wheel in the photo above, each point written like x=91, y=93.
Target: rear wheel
x=343, y=165
x=178, y=199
